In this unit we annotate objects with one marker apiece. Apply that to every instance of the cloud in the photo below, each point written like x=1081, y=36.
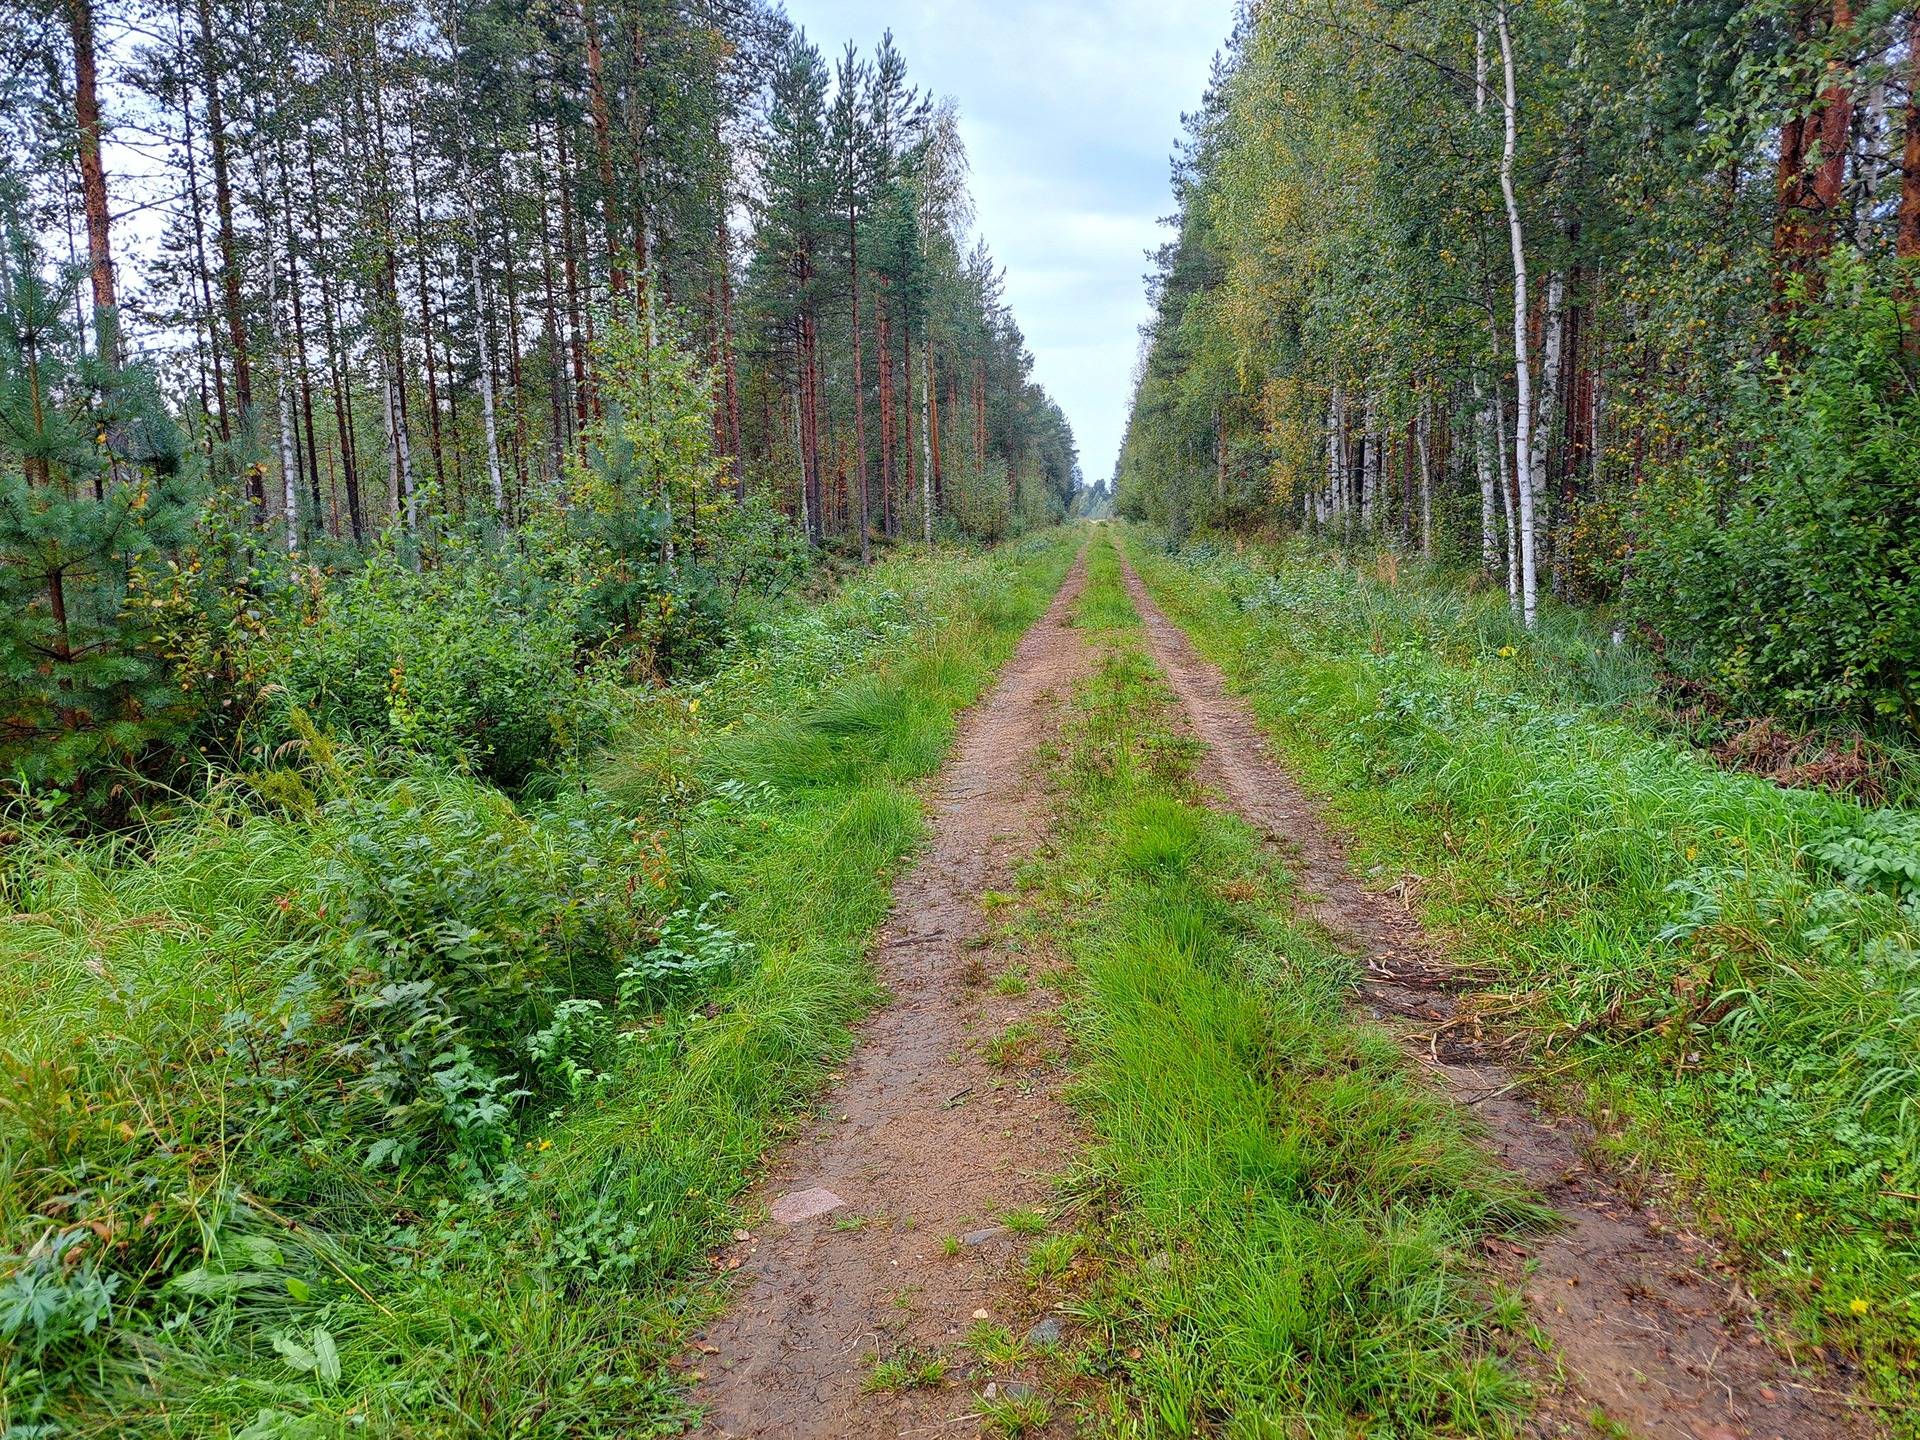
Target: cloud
x=1070, y=112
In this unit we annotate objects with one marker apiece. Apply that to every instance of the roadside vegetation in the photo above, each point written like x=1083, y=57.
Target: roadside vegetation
x=1718, y=971
x=1283, y=1221
x=361, y=1095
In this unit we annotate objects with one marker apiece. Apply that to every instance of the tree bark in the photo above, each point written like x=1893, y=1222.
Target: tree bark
x=603, y=149
x=1522, y=360
x=338, y=372
x=495, y=482
x=223, y=211
x=93, y=177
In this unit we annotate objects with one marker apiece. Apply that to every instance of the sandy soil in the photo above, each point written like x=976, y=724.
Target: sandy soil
x=919, y=1138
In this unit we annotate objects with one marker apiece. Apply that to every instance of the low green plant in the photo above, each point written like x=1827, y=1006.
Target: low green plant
x=907, y=1369
x=993, y=1344
x=1028, y=1220
x=1012, y=1416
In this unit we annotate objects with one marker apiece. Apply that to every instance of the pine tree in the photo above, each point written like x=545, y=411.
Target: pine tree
x=94, y=483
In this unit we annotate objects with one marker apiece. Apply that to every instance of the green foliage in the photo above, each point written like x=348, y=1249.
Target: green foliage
x=388, y=1097
x=649, y=479
x=95, y=484
x=474, y=662
x=1788, y=567
x=1721, y=410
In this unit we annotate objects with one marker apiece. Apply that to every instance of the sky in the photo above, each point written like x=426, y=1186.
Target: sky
x=1070, y=112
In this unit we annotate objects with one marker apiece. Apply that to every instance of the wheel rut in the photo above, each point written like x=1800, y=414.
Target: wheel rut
x=1652, y=1329
x=919, y=1138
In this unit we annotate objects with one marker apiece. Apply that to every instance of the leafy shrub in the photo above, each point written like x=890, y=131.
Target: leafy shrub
x=693, y=949
x=473, y=661
x=1794, y=579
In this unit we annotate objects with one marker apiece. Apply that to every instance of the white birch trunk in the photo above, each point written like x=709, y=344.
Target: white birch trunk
x=402, y=450
x=1522, y=359
x=1324, y=502
x=1423, y=434
x=1506, y=476
x=1370, y=463
x=283, y=391
x=926, y=443
x=494, y=480
x=1547, y=416
x=1483, y=423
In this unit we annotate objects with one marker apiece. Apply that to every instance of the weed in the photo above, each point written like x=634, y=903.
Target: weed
x=1011, y=981
x=1030, y=1220
x=1052, y=1256
x=1012, y=1416
x=907, y=1369
x=1021, y=1043
x=993, y=1345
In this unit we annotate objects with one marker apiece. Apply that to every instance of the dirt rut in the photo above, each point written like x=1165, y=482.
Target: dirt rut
x=1650, y=1332
x=919, y=1138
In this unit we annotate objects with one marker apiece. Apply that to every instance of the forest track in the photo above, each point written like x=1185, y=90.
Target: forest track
x=919, y=1138
x=1652, y=1328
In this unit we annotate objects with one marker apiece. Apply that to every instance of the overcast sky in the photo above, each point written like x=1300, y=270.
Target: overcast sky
x=1070, y=111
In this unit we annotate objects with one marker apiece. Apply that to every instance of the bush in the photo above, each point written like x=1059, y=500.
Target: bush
x=1793, y=581
x=473, y=662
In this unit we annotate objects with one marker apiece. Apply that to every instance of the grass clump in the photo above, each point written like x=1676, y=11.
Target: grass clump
x=1011, y=1416
x=993, y=1344
x=1028, y=1220
x=365, y=1097
x=1724, y=967
x=907, y=1369
x=1288, y=1215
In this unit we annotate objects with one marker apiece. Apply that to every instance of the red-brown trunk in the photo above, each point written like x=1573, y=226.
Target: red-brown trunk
x=603, y=149
x=93, y=170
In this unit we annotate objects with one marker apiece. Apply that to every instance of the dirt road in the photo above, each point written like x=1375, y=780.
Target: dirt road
x=920, y=1139
x=881, y=1241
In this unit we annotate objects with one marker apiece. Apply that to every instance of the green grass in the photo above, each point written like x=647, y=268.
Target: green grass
x=1010, y=1416
x=993, y=1345
x=907, y=1369
x=1284, y=1218
x=200, y=1232
x=1723, y=968
x=1028, y=1220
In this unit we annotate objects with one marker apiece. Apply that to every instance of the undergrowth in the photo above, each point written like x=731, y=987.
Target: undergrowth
x=363, y=1099
x=1286, y=1219
x=1725, y=969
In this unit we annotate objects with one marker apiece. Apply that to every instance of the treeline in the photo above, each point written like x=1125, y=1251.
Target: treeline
x=616, y=279
x=1616, y=299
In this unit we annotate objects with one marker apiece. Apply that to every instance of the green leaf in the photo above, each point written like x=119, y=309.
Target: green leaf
x=326, y=1354
x=295, y=1354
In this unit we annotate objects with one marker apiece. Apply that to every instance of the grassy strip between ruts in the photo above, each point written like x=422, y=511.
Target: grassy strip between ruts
x=240, y=1282
x=1284, y=1219
x=1725, y=967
